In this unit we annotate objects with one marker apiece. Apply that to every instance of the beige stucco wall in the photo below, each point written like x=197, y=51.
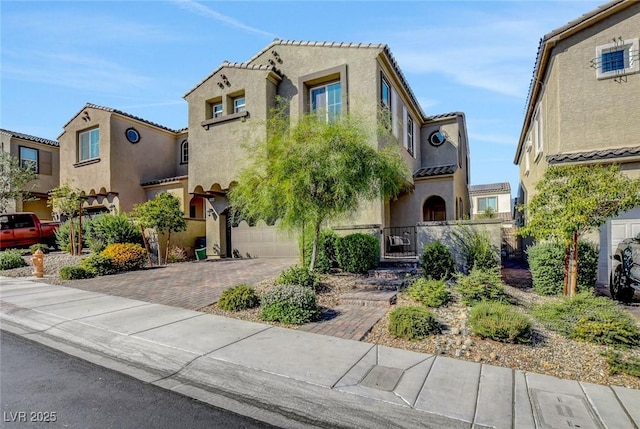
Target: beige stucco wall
x=182, y=169
x=43, y=182
x=579, y=112
x=504, y=202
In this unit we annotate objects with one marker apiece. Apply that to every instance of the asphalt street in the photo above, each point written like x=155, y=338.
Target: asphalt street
x=44, y=388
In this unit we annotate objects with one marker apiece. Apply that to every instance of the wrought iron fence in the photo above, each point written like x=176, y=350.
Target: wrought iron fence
x=399, y=241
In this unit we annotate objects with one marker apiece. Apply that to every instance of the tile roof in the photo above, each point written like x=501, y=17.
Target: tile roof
x=120, y=112
x=378, y=46
x=31, y=138
x=595, y=155
x=165, y=180
x=440, y=170
x=444, y=116
x=490, y=188
x=234, y=65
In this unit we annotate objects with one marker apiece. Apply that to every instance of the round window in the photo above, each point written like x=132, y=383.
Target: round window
x=132, y=135
x=437, y=138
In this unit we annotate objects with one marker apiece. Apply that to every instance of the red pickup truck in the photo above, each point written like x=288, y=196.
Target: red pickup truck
x=25, y=229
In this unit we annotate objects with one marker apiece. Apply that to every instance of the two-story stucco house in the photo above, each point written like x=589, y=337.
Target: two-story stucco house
x=227, y=111
x=584, y=107
x=491, y=200
x=41, y=154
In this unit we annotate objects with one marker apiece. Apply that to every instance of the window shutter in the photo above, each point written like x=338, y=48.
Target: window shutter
x=44, y=159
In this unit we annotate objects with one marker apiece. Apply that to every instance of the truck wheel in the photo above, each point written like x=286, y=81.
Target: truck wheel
x=617, y=284
x=626, y=294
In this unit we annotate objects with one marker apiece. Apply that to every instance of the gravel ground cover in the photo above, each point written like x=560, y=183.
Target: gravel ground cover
x=548, y=353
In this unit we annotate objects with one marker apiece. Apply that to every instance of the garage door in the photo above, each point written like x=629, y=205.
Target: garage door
x=616, y=230
x=263, y=241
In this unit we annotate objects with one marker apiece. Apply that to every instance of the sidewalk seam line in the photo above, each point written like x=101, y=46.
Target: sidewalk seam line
x=615, y=394
x=475, y=410
x=354, y=365
x=166, y=324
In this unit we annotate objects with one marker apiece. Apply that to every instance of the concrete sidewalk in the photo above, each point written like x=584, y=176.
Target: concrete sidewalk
x=297, y=379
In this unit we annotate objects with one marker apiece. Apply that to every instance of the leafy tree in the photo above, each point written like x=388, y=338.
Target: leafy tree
x=314, y=172
x=66, y=201
x=572, y=200
x=162, y=213
x=14, y=180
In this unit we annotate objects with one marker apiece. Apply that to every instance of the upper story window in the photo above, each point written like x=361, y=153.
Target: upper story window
x=89, y=145
x=410, y=143
x=537, y=136
x=487, y=203
x=385, y=94
x=216, y=110
x=527, y=158
x=29, y=158
x=617, y=58
x=184, y=152
x=326, y=101
x=239, y=104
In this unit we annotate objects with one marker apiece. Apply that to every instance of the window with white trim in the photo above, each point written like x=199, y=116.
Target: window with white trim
x=184, y=152
x=239, y=104
x=89, y=145
x=410, y=132
x=216, y=110
x=527, y=159
x=537, y=124
x=486, y=203
x=620, y=57
x=326, y=101
x=29, y=158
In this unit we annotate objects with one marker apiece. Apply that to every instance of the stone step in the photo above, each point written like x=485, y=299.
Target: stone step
x=375, y=298
x=393, y=273
x=380, y=284
x=398, y=263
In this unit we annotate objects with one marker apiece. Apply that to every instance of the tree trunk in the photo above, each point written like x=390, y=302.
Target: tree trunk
x=79, y=248
x=573, y=286
x=72, y=237
x=314, y=252
x=567, y=257
x=166, y=251
x=146, y=246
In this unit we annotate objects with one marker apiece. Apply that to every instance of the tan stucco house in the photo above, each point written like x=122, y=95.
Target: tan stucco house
x=494, y=198
x=44, y=155
x=228, y=108
x=584, y=107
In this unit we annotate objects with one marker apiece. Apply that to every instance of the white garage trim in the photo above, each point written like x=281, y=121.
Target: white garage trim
x=611, y=234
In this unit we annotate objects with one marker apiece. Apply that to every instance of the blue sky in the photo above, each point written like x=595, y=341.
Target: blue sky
x=142, y=56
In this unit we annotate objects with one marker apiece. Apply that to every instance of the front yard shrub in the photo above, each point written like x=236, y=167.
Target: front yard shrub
x=238, y=298
x=499, y=322
x=437, y=261
x=111, y=228
x=412, y=323
x=585, y=317
x=62, y=234
x=358, y=253
x=300, y=276
x=619, y=364
x=100, y=265
x=126, y=256
x=39, y=246
x=546, y=262
x=290, y=304
x=430, y=292
x=10, y=259
x=476, y=248
x=326, y=258
x=480, y=285
x=177, y=254
x=75, y=272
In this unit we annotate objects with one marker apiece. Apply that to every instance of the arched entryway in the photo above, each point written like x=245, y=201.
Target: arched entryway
x=434, y=209
x=196, y=208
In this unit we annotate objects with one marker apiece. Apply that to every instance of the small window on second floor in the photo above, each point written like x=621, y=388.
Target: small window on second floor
x=239, y=105
x=487, y=203
x=89, y=145
x=410, y=134
x=184, y=152
x=326, y=101
x=216, y=110
x=29, y=158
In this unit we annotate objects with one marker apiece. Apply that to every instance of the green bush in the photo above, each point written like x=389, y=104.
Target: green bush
x=412, y=323
x=430, y=292
x=480, y=285
x=437, y=261
x=619, y=364
x=62, y=233
x=300, y=276
x=326, y=258
x=98, y=264
x=546, y=263
x=75, y=272
x=290, y=304
x=126, y=256
x=358, y=253
x=585, y=317
x=238, y=298
x=10, y=259
x=39, y=246
x=111, y=228
x=499, y=322
x=476, y=248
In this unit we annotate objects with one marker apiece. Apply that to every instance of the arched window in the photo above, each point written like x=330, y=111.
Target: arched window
x=184, y=152
x=434, y=209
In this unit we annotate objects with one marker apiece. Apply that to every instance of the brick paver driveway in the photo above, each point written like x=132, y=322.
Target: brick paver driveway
x=190, y=285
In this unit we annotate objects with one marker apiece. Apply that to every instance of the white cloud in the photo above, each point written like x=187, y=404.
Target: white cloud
x=203, y=10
